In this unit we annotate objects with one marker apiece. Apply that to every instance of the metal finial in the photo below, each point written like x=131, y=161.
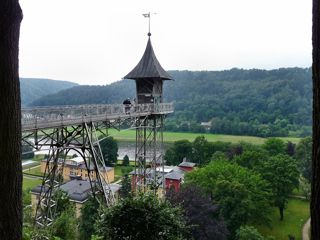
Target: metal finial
x=148, y=15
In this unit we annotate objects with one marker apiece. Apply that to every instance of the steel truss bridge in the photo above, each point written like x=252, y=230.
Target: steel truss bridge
x=78, y=128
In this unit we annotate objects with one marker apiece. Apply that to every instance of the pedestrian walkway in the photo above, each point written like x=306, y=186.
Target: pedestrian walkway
x=305, y=230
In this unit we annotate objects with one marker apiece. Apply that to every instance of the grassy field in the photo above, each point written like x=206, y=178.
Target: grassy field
x=34, y=170
x=120, y=171
x=295, y=216
x=29, y=183
x=129, y=135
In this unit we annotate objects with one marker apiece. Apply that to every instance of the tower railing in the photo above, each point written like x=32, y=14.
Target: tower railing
x=48, y=117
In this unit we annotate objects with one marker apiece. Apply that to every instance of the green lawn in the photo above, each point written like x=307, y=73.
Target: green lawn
x=119, y=162
x=29, y=183
x=34, y=171
x=295, y=216
x=38, y=157
x=120, y=171
x=129, y=135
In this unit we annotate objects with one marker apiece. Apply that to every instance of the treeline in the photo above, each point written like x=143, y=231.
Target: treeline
x=239, y=102
x=243, y=102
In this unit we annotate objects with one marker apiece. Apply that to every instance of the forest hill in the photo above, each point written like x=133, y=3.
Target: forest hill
x=240, y=102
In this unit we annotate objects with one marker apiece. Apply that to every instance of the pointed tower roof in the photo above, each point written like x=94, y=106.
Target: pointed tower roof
x=148, y=67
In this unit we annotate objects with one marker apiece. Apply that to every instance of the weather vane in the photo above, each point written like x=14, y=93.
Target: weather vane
x=148, y=15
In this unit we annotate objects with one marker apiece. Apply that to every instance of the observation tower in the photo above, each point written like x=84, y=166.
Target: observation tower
x=149, y=76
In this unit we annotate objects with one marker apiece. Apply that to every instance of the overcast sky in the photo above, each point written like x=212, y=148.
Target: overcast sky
x=100, y=41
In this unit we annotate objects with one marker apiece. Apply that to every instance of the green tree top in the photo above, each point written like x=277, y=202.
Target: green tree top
x=179, y=150
x=242, y=194
x=281, y=171
x=125, y=161
x=275, y=146
x=109, y=148
x=144, y=217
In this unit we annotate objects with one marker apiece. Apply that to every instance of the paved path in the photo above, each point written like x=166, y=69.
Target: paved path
x=26, y=169
x=305, y=230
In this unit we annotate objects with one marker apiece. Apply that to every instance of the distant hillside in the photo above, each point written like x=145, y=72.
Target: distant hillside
x=34, y=88
x=251, y=102
x=83, y=94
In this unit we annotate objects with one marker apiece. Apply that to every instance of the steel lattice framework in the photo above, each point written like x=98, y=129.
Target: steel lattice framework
x=75, y=128
x=149, y=163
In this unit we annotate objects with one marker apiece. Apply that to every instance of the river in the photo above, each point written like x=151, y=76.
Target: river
x=124, y=148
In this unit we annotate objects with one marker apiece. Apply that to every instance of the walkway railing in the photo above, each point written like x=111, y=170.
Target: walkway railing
x=49, y=117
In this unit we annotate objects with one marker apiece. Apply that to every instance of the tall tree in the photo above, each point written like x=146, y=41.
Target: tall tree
x=10, y=121
x=315, y=195
x=109, y=148
x=125, y=161
x=125, y=190
x=201, y=150
x=304, y=156
x=282, y=173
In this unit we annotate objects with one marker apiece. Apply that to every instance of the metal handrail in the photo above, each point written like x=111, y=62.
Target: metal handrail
x=48, y=117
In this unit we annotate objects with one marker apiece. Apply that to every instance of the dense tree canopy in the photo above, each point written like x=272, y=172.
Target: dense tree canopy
x=249, y=233
x=89, y=215
x=201, y=213
x=144, y=217
x=251, y=158
x=275, y=146
x=242, y=194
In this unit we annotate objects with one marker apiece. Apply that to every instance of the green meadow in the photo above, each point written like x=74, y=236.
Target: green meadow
x=295, y=216
x=129, y=135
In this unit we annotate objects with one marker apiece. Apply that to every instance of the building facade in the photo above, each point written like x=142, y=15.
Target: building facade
x=75, y=168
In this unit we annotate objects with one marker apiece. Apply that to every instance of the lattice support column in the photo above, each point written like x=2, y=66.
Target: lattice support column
x=52, y=179
x=83, y=139
x=148, y=174
x=91, y=144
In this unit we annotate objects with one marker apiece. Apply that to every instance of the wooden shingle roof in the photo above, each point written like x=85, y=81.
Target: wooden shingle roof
x=148, y=67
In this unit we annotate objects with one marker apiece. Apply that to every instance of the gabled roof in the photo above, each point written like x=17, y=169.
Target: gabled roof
x=187, y=164
x=77, y=190
x=174, y=175
x=148, y=67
